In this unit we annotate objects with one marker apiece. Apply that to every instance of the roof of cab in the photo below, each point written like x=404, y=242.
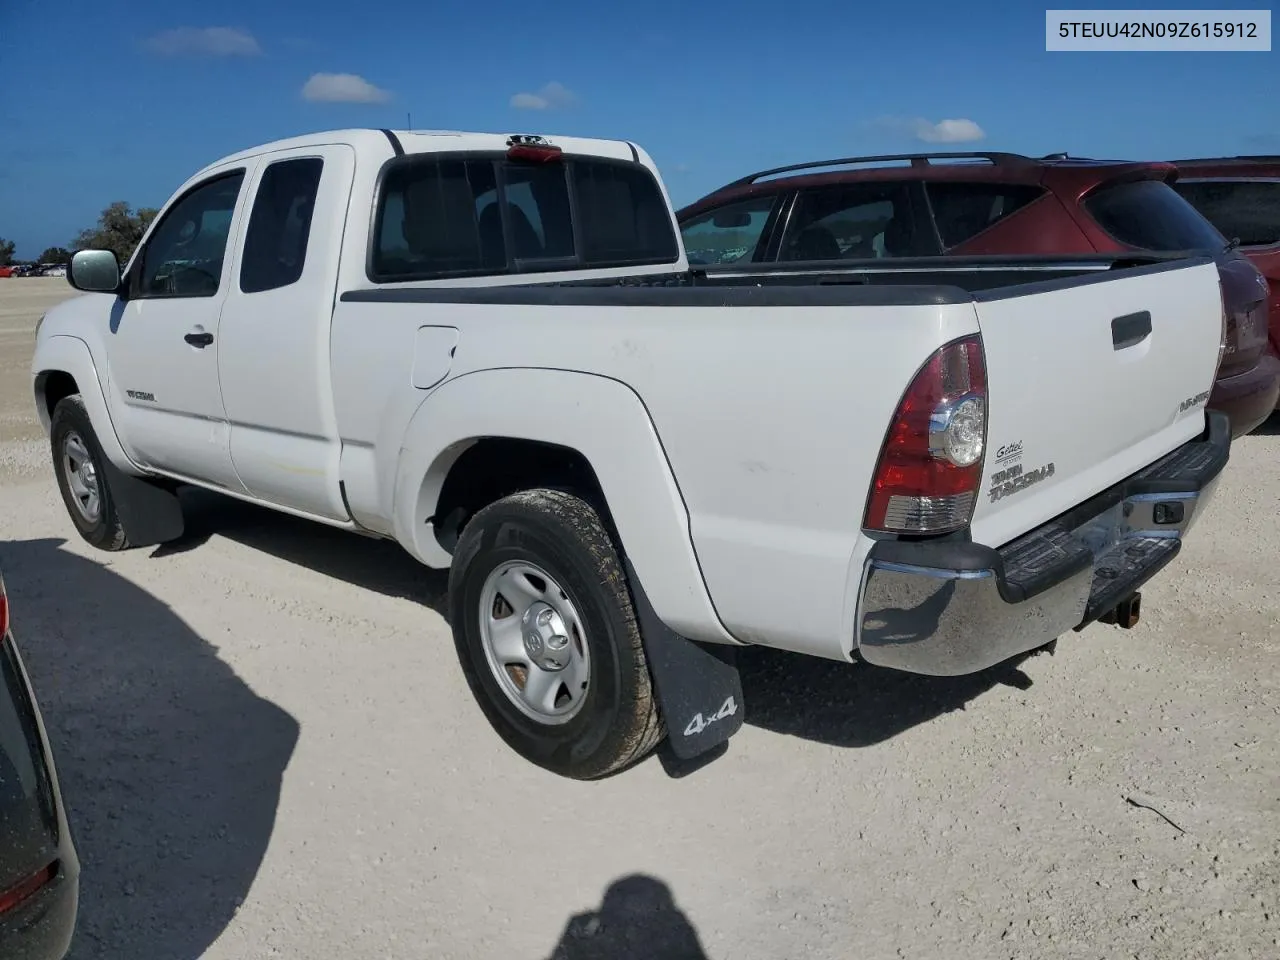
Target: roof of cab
x=431, y=141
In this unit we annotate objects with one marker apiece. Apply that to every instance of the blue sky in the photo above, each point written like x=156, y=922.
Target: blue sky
x=123, y=101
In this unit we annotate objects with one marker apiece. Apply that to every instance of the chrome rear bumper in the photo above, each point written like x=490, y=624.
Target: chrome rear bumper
x=946, y=608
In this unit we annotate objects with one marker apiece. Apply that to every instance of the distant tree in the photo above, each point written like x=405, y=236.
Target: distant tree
x=55, y=255
x=119, y=230
x=6, y=252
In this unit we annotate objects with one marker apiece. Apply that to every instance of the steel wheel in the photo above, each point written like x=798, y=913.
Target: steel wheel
x=82, y=477
x=534, y=641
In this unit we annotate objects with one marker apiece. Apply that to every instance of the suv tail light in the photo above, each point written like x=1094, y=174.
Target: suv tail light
x=4, y=611
x=931, y=464
x=1223, y=333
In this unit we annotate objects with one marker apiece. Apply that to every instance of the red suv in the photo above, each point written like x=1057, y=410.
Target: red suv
x=965, y=204
x=1241, y=197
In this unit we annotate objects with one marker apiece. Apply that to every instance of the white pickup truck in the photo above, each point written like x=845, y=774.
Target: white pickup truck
x=492, y=350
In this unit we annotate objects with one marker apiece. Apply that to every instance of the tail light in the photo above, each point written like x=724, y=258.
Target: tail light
x=931, y=463
x=4, y=611
x=26, y=889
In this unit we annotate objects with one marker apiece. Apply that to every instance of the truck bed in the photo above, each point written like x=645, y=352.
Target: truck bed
x=901, y=281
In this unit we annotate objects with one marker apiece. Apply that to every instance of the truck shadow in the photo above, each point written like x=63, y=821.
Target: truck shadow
x=170, y=764
x=854, y=705
x=822, y=700
x=378, y=565
x=638, y=918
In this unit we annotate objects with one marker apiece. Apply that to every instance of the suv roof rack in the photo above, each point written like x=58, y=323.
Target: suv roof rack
x=1239, y=158
x=917, y=160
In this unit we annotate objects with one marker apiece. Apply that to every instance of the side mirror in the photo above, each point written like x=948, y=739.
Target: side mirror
x=94, y=271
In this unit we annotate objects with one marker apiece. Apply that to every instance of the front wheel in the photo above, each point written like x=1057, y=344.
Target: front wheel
x=547, y=636
x=79, y=463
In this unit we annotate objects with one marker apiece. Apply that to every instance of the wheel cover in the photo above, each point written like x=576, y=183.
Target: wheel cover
x=534, y=642
x=81, y=474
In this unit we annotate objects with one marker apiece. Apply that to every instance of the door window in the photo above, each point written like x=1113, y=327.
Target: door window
x=184, y=256
x=728, y=234
x=855, y=222
x=275, y=245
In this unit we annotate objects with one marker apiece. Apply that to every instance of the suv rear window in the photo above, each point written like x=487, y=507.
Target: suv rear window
x=1149, y=215
x=1245, y=209
x=485, y=215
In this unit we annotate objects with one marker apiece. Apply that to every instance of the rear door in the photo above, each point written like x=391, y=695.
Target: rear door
x=274, y=354
x=1089, y=380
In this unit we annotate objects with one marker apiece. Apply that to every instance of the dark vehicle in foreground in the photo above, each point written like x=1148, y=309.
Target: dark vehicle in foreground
x=1241, y=197
x=39, y=869
x=973, y=204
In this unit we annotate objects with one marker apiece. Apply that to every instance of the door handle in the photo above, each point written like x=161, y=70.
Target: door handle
x=1130, y=330
x=200, y=340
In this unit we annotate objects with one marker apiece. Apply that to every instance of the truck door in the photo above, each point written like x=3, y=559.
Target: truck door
x=163, y=347
x=274, y=354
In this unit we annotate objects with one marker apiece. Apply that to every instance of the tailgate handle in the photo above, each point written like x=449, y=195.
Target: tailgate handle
x=1131, y=329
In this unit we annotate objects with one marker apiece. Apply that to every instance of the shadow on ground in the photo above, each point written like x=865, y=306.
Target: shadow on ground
x=826, y=701
x=854, y=705
x=638, y=918
x=378, y=565
x=1268, y=428
x=170, y=765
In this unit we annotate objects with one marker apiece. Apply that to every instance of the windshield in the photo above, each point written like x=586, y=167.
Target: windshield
x=1149, y=215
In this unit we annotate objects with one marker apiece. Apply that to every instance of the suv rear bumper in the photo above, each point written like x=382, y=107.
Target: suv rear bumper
x=946, y=608
x=1249, y=398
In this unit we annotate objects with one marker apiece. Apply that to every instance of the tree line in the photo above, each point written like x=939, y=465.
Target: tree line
x=119, y=229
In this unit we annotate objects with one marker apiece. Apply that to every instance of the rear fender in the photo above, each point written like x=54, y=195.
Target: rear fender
x=71, y=355
x=605, y=421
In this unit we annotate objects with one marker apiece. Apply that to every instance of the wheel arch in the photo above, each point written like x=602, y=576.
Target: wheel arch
x=565, y=428
x=63, y=365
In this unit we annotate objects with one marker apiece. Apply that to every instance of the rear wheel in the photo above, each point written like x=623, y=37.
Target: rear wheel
x=79, y=463
x=547, y=636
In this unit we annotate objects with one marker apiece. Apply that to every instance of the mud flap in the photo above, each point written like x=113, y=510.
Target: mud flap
x=149, y=513
x=699, y=689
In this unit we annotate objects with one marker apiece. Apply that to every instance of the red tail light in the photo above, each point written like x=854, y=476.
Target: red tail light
x=931, y=464
x=17, y=894
x=4, y=612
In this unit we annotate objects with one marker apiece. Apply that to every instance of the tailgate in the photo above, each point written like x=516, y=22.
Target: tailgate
x=1089, y=380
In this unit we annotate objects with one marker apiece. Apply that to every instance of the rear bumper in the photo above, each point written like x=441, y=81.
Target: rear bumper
x=1249, y=398
x=946, y=608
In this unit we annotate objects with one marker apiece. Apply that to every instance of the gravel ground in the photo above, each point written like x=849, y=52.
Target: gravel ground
x=268, y=750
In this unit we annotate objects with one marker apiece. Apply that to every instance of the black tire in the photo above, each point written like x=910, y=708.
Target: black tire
x=71, y=420
x=618, y=723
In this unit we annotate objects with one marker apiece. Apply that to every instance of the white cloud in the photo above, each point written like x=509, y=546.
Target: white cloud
x=553, y=95
x=947, y=131
x=204, y=42
x=342, y=88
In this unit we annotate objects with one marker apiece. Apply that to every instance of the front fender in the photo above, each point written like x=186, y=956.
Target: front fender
x=605, y=421
x=71, y=355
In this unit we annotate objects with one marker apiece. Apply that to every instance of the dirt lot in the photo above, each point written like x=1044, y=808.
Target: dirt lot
x=269, y=751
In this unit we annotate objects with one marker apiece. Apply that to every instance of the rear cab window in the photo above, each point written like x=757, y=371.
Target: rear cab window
x=1150, y=215
x=1244, y=210
x=486, y=215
